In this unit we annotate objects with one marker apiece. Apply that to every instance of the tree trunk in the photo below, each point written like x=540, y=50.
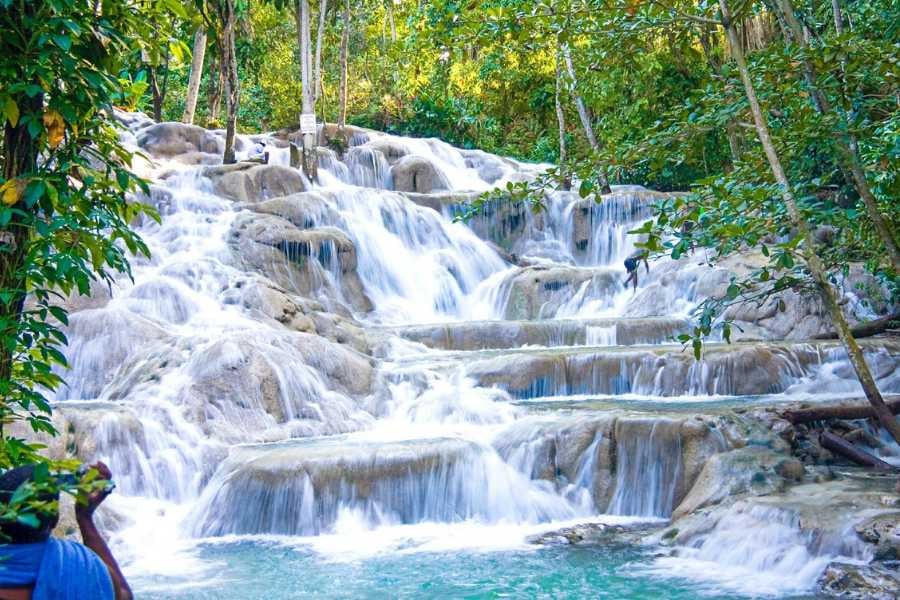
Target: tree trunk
x=232, y=85
x=839, y=445
x=867, y=329
x=731, y=128
x=847, y=412
x=390, y=15
x=320, y=33
x=190, y=102
x=345, y=40
x=309, y=161
x=157, y=94
x=565, y=181
x=216, y=84
x=848, y=148
x=20, y=156
x=586, y=122
x=813, y=263
x=159, y=91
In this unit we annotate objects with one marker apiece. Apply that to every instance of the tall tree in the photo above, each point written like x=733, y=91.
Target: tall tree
x=565, y=179
x=345, y=39
x=65, y=181
x=585, y=117
x=225, y=13
x=320, y=35
x=308, y=156
x=193, y=90
x=845, y=140
x=811, y=258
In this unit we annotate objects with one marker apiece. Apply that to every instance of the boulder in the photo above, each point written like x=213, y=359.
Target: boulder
x=103, y=348
x=418, y=174
x=392, y=148
x=266, y=300
x=305, y=210
x=749, y=470
x=318, y=263
x=859, y=582
x=883, y=532
x=539, y=292
x=252, y=182
x=275, y=386
x=167, y=140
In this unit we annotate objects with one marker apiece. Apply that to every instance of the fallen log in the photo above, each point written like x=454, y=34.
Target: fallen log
x=844, y=411
x=867, y=329
x=839, y=445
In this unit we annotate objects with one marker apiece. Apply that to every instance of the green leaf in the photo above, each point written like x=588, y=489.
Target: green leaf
x=63, y=41
x=29, y=520
x=586, y=187
x=11, y=109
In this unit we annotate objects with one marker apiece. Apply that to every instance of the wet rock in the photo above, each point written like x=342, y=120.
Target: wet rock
x=500, y=220
x=447, y=203
x=172, y=139
x=791, y=469
x=884, y=533
x=275, y=387
x=749, y=470
x=583, y=534
x=391, y=148
x=540, y=292
x=305, y=210
x=122, y=335
x=859, y=582
x=298, y=488
x=803, y=316
x=490, y=167
x=743, y=370
x=318, y=263
x=251, y=182
x=624, y=209
x=478, y=335
x=262, y=297
x=418, y=174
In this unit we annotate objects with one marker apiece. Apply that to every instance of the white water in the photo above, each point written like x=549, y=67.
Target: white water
x=217, y=421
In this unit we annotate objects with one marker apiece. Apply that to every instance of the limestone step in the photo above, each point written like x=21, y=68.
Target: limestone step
x=739, y=369
x=482, y=335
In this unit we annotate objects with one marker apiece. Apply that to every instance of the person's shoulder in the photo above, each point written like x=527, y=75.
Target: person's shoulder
x=74, y=549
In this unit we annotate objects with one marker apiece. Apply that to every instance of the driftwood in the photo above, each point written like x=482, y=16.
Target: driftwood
x=839, y=445
x=821, y=413
x=867, y=329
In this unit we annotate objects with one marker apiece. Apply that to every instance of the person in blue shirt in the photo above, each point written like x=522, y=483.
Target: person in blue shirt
x=631, y=266
x=34, y=565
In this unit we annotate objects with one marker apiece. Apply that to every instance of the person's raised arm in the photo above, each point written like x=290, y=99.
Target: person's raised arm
x=84, y=515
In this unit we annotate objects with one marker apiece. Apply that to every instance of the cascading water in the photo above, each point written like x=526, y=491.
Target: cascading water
x=335, y=365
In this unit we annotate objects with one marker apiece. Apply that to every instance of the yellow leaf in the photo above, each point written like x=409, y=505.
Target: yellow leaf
x=12, y=112
x=56, y=128
x=12, y=190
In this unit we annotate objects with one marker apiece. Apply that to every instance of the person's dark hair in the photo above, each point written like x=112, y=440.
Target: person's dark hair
x=20, y=533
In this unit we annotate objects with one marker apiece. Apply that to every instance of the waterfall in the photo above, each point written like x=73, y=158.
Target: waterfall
x=340, y=361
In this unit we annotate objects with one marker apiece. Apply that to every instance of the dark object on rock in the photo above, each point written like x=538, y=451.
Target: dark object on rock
x=884, y=532
x=869, y=582
x=842, y=447
x=866, y=329
x=821, y=413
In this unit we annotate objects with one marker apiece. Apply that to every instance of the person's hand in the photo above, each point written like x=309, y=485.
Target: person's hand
x=87, y=504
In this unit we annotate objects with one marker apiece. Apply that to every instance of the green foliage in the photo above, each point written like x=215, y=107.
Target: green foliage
x=65, y=188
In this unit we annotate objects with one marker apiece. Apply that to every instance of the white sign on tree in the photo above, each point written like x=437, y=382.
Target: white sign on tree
x=307, y=123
